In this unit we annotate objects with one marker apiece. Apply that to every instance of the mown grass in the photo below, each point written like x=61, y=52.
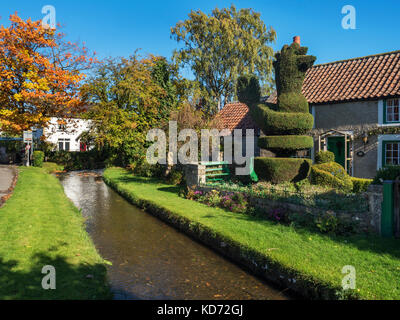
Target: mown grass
x=314, y=257
x=39, y=226
x=51, y=167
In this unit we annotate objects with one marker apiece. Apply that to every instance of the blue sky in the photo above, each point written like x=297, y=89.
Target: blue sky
x=119, y=27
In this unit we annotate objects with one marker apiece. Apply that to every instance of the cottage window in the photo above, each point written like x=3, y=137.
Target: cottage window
x=392, y=153
x=63, y=144
x=392, y=110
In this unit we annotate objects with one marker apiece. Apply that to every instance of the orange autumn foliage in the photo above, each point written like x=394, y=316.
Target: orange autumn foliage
x=37, y=76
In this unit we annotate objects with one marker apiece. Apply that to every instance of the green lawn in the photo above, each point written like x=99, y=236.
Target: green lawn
x=39, y=226
x=315, y=257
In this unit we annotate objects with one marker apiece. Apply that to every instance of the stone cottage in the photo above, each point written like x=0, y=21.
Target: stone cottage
x=356, y=109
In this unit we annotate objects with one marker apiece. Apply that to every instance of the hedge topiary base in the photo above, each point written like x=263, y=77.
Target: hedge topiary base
x=278, y=170
x=276, y=143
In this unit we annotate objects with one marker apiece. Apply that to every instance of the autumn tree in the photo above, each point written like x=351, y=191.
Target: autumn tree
x=129, y=97
x=223, y=45
x=38, y=75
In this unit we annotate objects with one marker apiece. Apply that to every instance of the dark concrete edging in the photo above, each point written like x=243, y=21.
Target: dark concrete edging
x=10, y=190
x=258, y=264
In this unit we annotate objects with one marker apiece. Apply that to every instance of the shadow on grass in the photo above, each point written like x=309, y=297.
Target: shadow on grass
x=72, y=281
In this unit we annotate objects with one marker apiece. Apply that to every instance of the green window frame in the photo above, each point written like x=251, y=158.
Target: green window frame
x=391, y=151
x=394, y=114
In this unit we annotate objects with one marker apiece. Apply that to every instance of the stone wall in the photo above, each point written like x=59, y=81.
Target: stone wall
x=195, y=174
x=369, y=220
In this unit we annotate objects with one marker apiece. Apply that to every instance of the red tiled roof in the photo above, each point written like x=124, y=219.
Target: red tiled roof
x=235, y=115
x=370, y=77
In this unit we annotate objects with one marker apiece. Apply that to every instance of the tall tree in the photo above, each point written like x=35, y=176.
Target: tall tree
x=37, y=83
x=127, y=96
x=223, y=45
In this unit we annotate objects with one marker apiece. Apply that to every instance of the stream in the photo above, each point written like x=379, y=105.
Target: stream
x=152, y=260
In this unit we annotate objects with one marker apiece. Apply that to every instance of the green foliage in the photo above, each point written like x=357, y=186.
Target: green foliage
x=280, y=143
x=175, y=177
x=274, y=122
x=390, y=172
x=324, y=157
x=223, y=45
x=92, y=159
x=290, y=67
x=38, y=158
x=248, y=90
x=144, y=169
x=360, y=185
x=129, y=97
x=332, y=175
x=278, y=170
x=288, y=118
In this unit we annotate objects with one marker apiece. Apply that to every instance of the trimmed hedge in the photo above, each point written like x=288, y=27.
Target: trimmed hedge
x=278, y=170
x=290, y=102
x=386, y=173
x=324, y=157
x=270, y=121
x=285, y=142
x=248, y=89
x=38, y=158
x=360, y=185
x=331, y=174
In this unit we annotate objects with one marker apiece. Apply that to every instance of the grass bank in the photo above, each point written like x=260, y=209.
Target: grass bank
x=39, y=226
x=307, y=262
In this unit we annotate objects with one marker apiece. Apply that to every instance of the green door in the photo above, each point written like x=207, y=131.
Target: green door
x=336, y=145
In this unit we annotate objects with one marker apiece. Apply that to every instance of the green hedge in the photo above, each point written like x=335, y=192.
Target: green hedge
x=360, y=185
x=285, y=142
x=92, y=159
x=386, y=173
x=324, y=157
x=331, y=174
x=38, y=158
x=292, y=102
x=248, y=89
x=278, y=170
x=270, y=121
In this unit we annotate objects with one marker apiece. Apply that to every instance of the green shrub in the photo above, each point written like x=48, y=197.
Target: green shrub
x=248, y=89
x=285, y=142
x=175, y=177
x=360, y=185
x=386, y=173
x=278, y=170
x=332, y=175
x=270, y=121
x=38, y=158
x=88, y=160
x=324, y=157
x=144, y=169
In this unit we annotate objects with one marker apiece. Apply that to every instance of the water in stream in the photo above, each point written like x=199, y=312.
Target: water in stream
x=150, y=259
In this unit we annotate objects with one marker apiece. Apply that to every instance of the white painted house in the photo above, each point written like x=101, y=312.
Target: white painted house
x=65, y=134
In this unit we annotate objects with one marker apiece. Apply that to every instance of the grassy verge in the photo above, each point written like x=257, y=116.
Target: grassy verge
x=307, y=262
x=52, y=167
x=39, y=226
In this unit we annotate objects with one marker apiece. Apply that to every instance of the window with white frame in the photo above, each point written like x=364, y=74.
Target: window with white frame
x=64, y=144
x=392, y=153
x=392, y=110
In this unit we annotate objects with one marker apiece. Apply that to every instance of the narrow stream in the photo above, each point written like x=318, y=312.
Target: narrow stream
x=150, y=259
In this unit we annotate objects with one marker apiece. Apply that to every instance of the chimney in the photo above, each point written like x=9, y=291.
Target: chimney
x=297, y=40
